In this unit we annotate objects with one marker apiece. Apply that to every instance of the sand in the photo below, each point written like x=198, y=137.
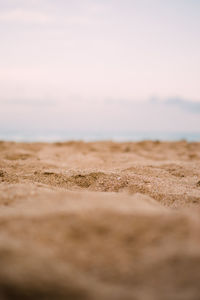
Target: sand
x=100, y=220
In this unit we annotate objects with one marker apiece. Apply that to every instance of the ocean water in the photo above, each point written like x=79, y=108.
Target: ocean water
x=59, y=136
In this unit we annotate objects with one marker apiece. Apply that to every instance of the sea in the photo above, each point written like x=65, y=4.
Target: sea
x=78, y=135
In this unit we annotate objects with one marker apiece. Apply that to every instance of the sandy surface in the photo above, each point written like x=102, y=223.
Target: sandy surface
x=100, y=221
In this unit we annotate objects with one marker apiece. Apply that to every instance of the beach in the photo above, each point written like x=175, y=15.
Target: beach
x=100, y=220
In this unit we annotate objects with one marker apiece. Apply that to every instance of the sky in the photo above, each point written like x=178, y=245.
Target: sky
x=100, y=65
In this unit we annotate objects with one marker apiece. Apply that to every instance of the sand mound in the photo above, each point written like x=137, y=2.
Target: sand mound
x=100, y=220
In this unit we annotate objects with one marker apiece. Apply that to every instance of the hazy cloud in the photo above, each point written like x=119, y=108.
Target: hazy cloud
x=182, y=104
x=28, y=102
x=187, y=105
x=25, y=16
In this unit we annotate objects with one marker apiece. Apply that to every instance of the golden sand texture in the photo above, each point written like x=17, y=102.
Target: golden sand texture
x=100, y=220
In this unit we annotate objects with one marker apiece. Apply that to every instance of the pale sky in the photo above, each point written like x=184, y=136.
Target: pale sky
x=100, y=64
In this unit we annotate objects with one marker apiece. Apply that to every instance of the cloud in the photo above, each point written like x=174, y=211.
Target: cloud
x=28, y=102
x=22, y=16
x=187, y=105
x=84, y=114
x=25, y=16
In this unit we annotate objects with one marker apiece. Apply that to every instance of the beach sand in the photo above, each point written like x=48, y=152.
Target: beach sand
x=100, y=220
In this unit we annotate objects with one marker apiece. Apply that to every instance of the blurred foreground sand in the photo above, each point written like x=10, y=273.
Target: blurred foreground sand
x=100, y=220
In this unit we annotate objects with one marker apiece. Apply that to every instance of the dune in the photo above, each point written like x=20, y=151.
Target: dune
x=100, y=220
